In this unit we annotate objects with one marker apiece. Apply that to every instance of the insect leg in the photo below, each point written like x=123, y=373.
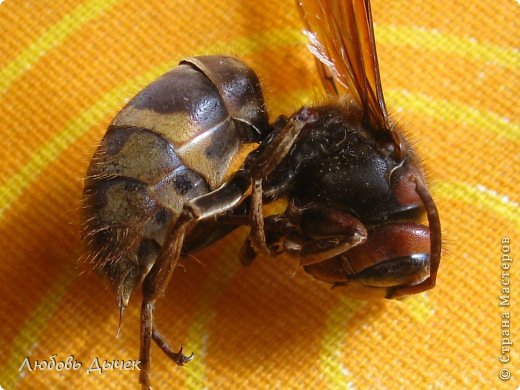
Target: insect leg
x=277, y=228
x=257, y=233
x=315, y=234
x=264, y=160
x=210, y=205
x=329, y=233
x=177, y=357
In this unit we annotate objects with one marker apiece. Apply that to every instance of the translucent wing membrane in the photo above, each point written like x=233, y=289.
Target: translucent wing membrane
x=341, y=37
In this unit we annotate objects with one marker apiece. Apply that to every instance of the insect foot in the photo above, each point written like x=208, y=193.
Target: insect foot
x=178, y=357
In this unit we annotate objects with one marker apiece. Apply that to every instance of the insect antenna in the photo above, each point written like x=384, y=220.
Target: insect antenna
x=435, y=228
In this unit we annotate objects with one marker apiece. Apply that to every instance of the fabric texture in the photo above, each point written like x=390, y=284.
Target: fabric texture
x=450, y=72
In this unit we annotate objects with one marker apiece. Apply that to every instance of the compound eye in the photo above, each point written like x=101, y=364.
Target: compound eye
x=400, y=271
x=411, y=212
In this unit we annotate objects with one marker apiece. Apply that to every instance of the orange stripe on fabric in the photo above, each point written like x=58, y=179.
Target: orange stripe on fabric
x=332, y=366
x=481, y=197
x=332, y=361
x=450, y=44
x=34, y=326
x=51, y=38
x=419, y=307
x=486, y=85
x=25, y=21
x=483, y=20
x=455, y=112
x=214, y=285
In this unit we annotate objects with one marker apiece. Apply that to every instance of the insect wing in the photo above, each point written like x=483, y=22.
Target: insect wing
x=341, y=37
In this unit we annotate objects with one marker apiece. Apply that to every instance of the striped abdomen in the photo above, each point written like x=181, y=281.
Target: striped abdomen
x=179, y=138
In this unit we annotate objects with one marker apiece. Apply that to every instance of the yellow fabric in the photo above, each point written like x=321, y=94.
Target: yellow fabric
x=450, y=72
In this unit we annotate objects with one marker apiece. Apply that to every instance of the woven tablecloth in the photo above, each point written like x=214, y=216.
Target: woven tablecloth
x=450, y=72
